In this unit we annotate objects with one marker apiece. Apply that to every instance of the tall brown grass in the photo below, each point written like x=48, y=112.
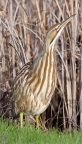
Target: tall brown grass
x=23, y=27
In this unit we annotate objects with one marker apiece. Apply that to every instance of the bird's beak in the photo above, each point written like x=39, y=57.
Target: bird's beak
x=64, y=23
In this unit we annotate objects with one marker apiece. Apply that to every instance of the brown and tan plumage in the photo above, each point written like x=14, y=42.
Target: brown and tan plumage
x=35, y=83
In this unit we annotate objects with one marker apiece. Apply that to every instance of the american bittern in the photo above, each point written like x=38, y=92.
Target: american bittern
x=35, y=83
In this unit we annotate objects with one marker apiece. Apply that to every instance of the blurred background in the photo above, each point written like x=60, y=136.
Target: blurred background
x=23, y=27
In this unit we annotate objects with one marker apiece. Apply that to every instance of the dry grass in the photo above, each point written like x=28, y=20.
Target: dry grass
x=23, y=26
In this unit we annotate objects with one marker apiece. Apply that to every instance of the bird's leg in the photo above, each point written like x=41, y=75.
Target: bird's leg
x=37, y=121
x=21, y=119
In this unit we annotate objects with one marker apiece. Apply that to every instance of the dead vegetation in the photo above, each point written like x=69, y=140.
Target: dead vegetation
x=23, y=27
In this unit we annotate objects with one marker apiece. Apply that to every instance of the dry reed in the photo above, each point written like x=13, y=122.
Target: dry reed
x=23, y=26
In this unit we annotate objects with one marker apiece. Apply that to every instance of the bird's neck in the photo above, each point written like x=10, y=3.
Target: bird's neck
x=46, y=45
x=48, y=74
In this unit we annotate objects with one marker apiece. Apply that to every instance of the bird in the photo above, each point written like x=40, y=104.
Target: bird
x=36, y=81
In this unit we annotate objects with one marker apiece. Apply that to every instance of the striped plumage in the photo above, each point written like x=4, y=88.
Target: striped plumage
x=33, y=86
x=35, y=83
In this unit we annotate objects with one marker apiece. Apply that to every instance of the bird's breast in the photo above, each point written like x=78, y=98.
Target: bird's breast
x=33, y=91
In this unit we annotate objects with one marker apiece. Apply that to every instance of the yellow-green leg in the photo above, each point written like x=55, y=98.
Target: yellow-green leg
x=21, y=119
x=37, y=121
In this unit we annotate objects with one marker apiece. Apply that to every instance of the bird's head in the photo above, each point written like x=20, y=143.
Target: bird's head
x=54, y=32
